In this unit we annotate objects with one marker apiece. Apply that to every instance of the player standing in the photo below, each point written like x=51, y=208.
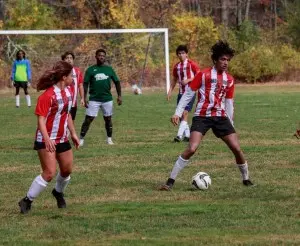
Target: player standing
x=215, y=88
x=183, y=72
x=77, y=82
x=51, y=141
x=97, y=79
x=21, y=76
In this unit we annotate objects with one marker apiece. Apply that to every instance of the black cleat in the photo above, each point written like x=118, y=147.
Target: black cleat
x=186, y=139
x=168, y=186
x=247, y=182
x=25, y=205
x=177, y=139
x=61, y=203
x=165, y=187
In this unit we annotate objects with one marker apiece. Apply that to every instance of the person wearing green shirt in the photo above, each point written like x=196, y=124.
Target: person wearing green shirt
x=97, y=80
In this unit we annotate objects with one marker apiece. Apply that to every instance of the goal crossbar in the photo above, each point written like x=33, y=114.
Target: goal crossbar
x=104, y=31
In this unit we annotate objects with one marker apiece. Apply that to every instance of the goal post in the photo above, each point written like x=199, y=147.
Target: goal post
x=163, y=31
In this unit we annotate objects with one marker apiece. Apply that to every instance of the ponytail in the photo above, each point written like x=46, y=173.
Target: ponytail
x=54, y=75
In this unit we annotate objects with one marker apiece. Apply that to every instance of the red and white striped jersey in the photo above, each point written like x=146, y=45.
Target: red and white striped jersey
x=55, y=104
x=77, y=80
x=185, y=70
x=213, y=89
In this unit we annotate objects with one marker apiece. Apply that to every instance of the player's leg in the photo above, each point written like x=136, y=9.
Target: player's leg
x=188, y=108
x=107, y=110
x=91, y=113
x=199, y=127
x=233, y=143
x=28, y=99
x=225, y=130
x=17, y=86
x=182, y=127
x=183, y=123
x=64, y=156
x=48, y=163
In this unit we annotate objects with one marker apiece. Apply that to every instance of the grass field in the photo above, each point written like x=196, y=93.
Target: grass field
x=112, y=198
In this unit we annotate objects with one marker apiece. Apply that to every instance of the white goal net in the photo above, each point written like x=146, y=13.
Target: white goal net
x=139, y=56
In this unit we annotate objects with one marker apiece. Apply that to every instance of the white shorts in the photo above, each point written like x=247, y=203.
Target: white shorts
x=93, y=108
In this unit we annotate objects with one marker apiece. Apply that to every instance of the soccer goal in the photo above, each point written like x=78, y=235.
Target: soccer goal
x=139, y=56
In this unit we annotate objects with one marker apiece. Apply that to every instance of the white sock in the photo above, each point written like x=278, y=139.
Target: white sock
x=181, y=129
x=28, y=100
x=18, y=100
x=244, y=170
x=61, y=183
x=37, y=186
x=187, y=132
x=178, y=166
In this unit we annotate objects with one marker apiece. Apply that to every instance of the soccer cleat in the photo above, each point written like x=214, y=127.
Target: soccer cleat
x=186, y=139
x=81, y=142
x=25, y=205
x=177, y=139
x=165, y=187
x=109, y=141
x=247, y=182
x=61, y=203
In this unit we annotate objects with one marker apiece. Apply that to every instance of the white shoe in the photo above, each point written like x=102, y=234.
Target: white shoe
x=109, y=141
x=81, y=142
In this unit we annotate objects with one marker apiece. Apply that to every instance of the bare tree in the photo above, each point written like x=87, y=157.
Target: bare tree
x=224, y=15
x=248, y=2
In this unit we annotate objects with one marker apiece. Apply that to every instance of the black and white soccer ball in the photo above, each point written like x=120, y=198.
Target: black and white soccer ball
x=201, y=181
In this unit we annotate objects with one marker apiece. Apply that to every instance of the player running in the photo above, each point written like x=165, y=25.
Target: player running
x=77, y=82
x=215, y=88
x=97, y=79
x=21, y=76
x=183, y=72
x=51, y=141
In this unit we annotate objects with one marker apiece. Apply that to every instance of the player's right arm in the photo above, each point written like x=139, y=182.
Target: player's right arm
x=173, y=84
x=13, y=72
x=186, y=98
x=49, y=144
x=41, y=111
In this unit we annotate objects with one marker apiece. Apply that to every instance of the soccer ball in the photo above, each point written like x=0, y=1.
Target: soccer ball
x=201, y=181
x=136, y=90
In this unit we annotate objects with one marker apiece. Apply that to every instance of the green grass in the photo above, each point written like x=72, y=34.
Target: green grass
x=112, y=198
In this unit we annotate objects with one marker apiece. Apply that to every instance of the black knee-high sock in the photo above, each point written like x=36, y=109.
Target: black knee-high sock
x=108, y=126
x=86, y=125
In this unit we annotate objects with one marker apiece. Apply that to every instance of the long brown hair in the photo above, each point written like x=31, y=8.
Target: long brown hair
x=53, y=76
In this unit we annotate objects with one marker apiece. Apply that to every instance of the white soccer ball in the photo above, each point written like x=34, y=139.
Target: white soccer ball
x=136, y=90
x=201, y=181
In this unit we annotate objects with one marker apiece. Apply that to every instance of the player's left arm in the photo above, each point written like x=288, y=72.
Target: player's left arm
x=28, y=71
x=80, y=87
x=229, y=107
x=73, y=134
x=117, y=83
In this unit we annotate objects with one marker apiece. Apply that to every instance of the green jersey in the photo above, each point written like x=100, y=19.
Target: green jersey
x=98, y=79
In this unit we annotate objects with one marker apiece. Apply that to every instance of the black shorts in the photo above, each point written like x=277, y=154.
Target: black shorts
x=221, y=126
x=60, y=147
x=18, y=84
x=73, y=112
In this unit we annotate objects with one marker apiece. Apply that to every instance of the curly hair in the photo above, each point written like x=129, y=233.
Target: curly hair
x=63, y=56
x=182, y=48
x=54, y=75
x=221, y=48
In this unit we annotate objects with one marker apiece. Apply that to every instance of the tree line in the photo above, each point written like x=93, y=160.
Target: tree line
x=264, y=33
